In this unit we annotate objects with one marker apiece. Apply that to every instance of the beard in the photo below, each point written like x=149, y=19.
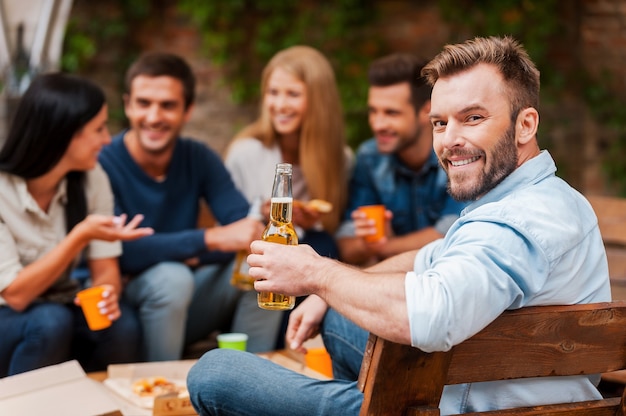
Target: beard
x=503, y=161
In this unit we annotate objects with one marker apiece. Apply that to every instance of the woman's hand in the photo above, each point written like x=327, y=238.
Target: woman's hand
x=111, y=228
x=304, y=216
x=109, y=305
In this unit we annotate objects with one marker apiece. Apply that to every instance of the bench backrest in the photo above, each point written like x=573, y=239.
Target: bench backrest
x=536, y=341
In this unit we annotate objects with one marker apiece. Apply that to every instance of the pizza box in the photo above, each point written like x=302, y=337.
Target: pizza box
x=58, y=390
x=121, y=377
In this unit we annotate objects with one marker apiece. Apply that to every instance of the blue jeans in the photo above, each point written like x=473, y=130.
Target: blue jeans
x=179, y=306
x=50, y=333
x=217, y=305
x=262, y=326
x=227, y=382
x=325, y=245
x=345, y=343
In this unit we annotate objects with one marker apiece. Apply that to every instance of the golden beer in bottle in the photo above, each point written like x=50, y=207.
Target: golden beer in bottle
x=280, y=230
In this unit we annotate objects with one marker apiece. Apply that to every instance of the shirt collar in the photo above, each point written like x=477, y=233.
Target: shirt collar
x=26, y=200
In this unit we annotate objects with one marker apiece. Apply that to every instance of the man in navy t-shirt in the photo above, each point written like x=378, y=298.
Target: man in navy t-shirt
x=178, y=278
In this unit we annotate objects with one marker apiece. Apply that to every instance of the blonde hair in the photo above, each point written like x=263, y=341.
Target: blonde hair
x=322, y=142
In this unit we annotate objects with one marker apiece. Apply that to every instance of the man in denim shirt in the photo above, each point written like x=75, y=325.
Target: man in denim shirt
x=397, y=168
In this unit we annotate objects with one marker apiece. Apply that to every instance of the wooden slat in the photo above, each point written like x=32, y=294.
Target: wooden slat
x=529, y=342
x=562, y=344
x=381, y=395
x=591, y=408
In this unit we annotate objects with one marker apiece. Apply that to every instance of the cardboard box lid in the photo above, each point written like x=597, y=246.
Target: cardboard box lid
x=121, y=376
x=170, y=369
x=58, y=390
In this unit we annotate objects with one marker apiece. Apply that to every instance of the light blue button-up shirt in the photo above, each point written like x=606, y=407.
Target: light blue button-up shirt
x=532, y=240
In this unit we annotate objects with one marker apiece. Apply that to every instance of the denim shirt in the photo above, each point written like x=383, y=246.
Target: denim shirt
x=532, y=240
x=417, y=199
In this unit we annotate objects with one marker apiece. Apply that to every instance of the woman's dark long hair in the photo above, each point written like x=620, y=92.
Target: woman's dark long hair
x=51, y=111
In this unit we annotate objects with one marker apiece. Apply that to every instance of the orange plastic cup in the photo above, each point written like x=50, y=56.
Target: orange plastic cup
x=319, y=360
x=376, y=213
x=89, y=299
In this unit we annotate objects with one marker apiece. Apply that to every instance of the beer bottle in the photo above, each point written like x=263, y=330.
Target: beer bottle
x=240, y=278
x=280, y=230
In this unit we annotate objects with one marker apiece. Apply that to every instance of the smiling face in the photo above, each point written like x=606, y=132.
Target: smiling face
x=392, y=117
x=286, y=102
x=156, y=111
x=82, y=153
x=474, y=138
x=399, y=128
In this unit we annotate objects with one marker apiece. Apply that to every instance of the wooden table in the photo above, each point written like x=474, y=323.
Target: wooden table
x=293, y=361
x=286, y=358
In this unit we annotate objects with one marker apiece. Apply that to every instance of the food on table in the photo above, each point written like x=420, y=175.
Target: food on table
x=318, y=205
x=155, y=386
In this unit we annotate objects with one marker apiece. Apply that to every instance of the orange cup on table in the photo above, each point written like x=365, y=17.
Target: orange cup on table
x=376, y=213
x=89, y=299
x=319, y=360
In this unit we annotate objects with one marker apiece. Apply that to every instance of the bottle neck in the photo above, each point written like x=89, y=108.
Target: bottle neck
x=282, y=186
x=282, y=197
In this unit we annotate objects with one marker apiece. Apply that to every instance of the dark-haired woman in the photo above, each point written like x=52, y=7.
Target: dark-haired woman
x=56, y=204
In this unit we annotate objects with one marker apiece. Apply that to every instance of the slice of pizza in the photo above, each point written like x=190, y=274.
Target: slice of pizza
x=154, y=386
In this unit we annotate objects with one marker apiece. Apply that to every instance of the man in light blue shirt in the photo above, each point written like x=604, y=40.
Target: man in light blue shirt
x=397, y=168
x=526, y=238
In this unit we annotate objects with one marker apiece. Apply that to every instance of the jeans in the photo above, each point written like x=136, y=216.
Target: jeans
x=228, y=382
x=179, y=306
x=345, y=343
x=325, y=245
x=49, y=333
x=262, y=326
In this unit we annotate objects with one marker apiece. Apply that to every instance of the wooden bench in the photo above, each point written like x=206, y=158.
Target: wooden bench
x=536, y=341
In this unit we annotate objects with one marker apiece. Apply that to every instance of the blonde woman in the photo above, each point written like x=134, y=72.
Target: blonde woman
x=300, y=122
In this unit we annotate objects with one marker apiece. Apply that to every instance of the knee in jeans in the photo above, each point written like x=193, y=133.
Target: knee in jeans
x=170, y=283
x=208, y=382
x=54, y=323
x=211, y=374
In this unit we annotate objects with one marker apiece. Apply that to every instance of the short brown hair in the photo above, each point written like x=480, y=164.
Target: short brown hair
x=398, y=68
x=518, y=70
x=155, y=64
